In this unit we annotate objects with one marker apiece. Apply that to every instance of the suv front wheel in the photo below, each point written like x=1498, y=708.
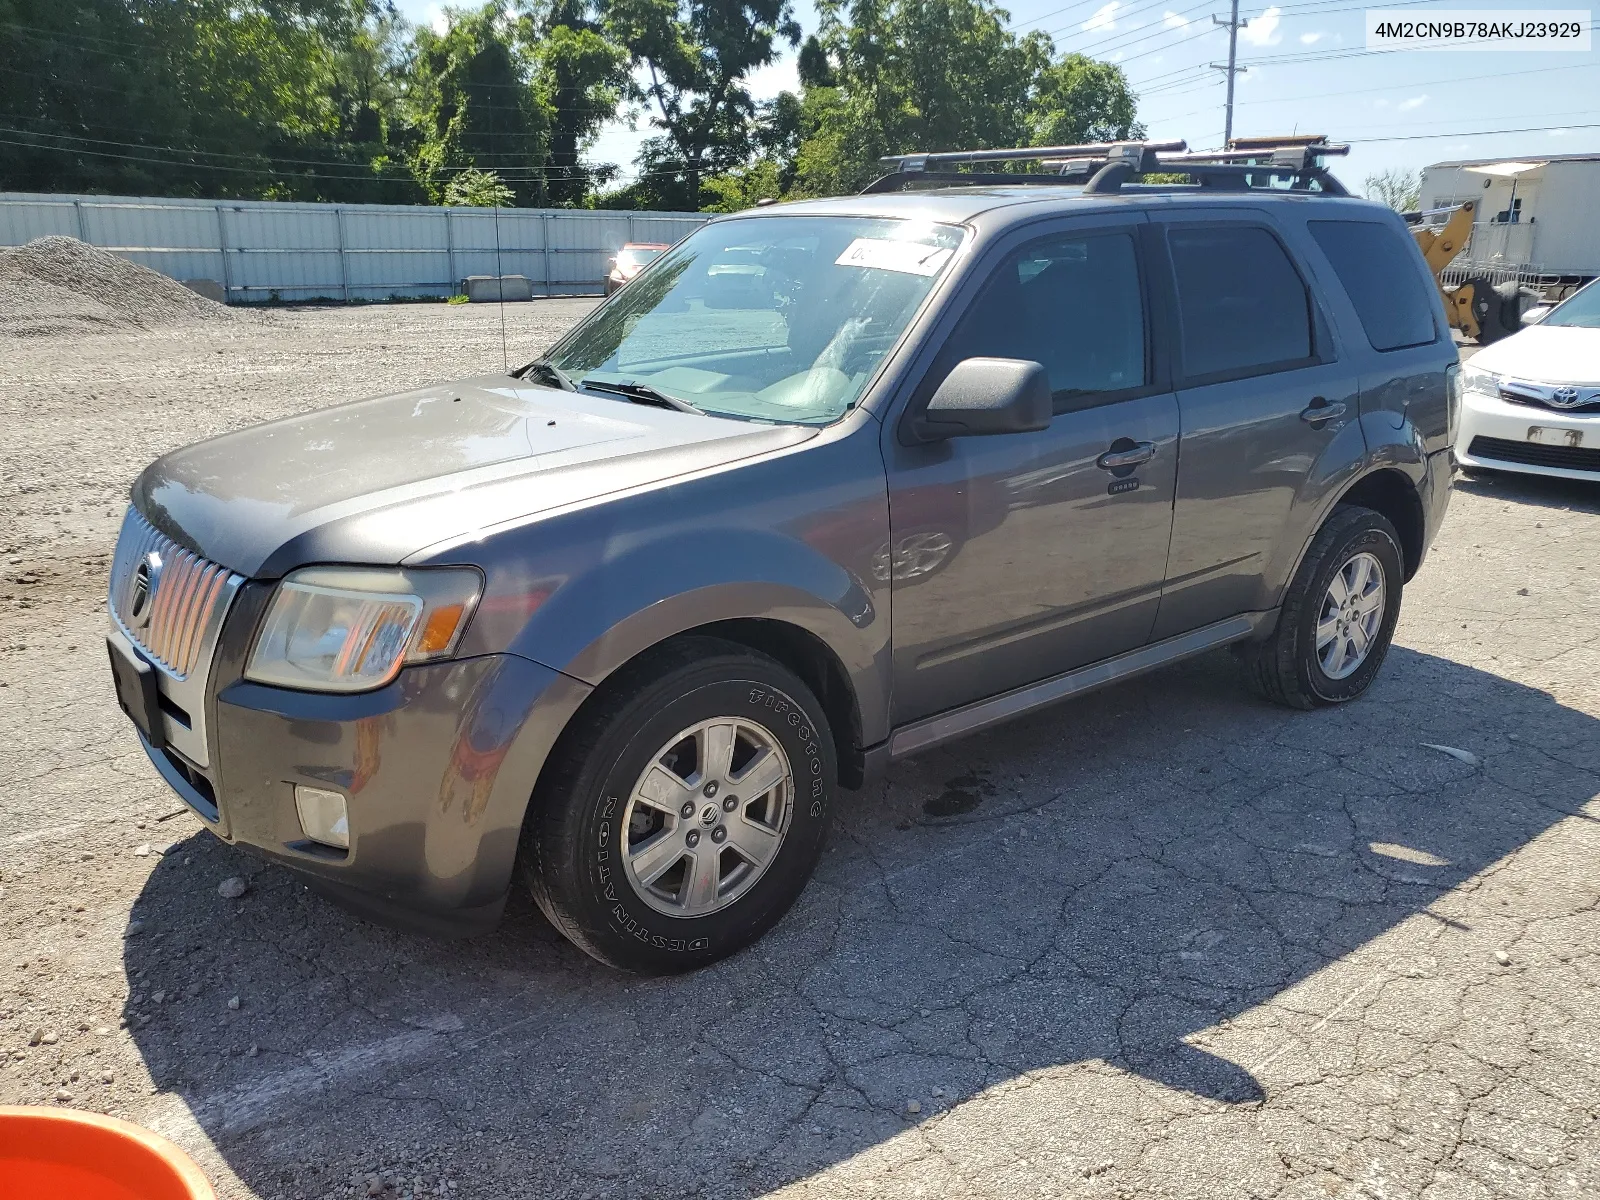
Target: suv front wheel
x=683, y=815
x=1338, y=615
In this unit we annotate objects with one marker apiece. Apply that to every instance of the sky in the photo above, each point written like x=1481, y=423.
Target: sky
x=1309, y=72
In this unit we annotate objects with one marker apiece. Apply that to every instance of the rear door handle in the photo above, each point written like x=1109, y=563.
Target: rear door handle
x=1321, y=411
x=1116, y=460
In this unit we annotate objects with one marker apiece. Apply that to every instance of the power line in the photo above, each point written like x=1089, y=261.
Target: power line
x=1422, y=137
x=1366, y=91
x=1054, y=12
x=1310, y=7
x=269, y=170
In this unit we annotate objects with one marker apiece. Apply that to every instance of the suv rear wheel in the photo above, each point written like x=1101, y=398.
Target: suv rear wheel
x=681, y=818
x=1338, y=615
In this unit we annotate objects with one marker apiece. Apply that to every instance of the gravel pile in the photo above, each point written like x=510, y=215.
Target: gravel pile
x=59, y=285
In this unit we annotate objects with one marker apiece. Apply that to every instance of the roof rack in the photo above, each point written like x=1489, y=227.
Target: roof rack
x=1103, y=167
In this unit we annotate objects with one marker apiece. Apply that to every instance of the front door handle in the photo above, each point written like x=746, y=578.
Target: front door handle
x=1117, y=460
x=1321, y=411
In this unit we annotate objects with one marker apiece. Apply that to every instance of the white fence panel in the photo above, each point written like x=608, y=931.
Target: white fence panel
x=261, y=250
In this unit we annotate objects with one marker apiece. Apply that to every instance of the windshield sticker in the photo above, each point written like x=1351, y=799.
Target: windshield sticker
x=909, y=258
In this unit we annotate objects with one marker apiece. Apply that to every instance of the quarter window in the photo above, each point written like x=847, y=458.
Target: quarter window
x=1243, y=307
x=1072, y=303
x=1377, y=264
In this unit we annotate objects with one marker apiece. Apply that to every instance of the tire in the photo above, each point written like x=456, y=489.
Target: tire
x=593, y=803
x=1488, y=308
x=1514, y=300
x=1290, y=668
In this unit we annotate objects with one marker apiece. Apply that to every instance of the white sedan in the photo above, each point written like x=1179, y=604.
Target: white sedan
x=1532, y=401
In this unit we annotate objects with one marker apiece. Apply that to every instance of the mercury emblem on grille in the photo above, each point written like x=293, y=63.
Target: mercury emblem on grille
x=142, y=590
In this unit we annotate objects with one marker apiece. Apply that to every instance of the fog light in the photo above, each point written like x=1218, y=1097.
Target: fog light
x=323, y=816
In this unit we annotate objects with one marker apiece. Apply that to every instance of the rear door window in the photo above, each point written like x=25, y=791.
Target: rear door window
x=1377, y=265
x=1242, y=306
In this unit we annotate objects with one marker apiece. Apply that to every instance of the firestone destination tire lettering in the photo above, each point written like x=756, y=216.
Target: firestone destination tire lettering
x=577, y=845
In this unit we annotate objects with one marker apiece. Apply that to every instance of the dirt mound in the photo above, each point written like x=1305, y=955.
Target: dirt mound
x=60, y=285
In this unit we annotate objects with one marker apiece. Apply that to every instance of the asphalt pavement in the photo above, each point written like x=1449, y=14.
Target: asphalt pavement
x=1163, y=941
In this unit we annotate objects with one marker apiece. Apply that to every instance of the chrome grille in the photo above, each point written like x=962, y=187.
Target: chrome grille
x=164, y=597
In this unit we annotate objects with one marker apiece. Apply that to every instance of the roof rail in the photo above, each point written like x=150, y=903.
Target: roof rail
x=1105, y=166
x=950, y=158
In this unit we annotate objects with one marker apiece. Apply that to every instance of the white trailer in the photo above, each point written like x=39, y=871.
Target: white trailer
x=1536, y=220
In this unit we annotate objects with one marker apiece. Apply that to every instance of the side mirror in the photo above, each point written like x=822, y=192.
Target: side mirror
x=988, y=395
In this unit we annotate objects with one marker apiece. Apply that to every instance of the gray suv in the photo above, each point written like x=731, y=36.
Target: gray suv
x=827, y=484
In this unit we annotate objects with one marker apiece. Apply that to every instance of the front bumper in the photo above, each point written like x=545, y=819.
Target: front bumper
x=1498, y=434
x=437, y=769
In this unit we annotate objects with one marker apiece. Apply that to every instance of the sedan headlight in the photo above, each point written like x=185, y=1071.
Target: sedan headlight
x=1479, y=382
x=351, y=629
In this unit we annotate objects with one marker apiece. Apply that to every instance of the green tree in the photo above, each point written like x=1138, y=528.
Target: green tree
x=696, y=54
x=581, y=75
x=891, y=76
x=472, y=97
x=771, y=174
x=473, y=188
x=742, y=188
x=206, y=98
x=1077, y=100
x=1398, y=187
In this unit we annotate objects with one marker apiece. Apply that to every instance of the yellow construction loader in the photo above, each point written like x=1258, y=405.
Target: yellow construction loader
x=1481, y=310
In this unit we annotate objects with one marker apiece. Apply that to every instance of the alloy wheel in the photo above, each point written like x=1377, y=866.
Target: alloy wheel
x=707, y=817
x=1351, y=616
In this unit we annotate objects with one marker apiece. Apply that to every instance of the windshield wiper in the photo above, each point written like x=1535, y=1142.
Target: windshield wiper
x=643, y=393
x=545, y=369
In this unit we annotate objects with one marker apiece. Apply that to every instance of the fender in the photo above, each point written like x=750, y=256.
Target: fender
x=790, y=539
x=594, y=626
x=1393, y=440
x=1341, y=463
x=1392, y=455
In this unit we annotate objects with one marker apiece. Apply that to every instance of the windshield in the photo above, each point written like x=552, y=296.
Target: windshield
x=1581, y=309
x=637, y=256
x=770, y=318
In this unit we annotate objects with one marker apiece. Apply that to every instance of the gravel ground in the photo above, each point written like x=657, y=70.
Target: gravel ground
x=1165, y=942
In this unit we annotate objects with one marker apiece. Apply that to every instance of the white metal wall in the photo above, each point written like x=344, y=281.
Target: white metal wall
x=262, y=249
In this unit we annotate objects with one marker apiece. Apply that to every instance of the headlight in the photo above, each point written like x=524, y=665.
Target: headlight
x=1477, y=381
x=351, y=629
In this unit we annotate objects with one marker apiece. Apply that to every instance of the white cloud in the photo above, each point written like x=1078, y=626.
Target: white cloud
x=1414, y=102
x=1311, y=39
x=1104, y=17
x=434, y=17
x=1173, y=21
x=1559, y=132
x=1263, y=30
x=1382, y=103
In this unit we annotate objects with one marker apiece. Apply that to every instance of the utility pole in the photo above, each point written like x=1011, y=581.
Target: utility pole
x=1233, y=24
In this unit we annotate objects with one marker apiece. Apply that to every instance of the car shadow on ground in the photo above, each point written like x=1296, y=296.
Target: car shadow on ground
x=1100, y=884
x=1540, y=491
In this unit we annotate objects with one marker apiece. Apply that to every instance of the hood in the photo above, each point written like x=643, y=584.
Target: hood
x=1545, y=354
x=379, y=481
